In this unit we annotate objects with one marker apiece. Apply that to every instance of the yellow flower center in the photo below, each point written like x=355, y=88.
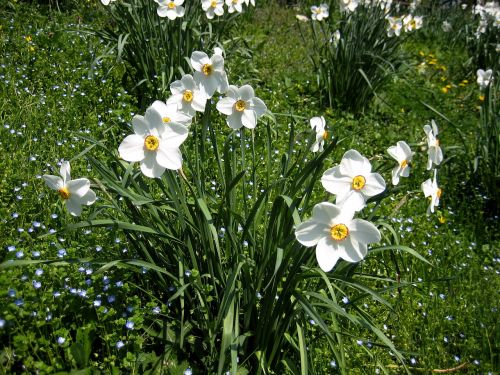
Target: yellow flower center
x=358, y=182
x=240, y=105
x=151, y=143
x=339, y=232
x=64, y=192
x=171, y=5
x=188, y=96
x=213, y=3
x=207, y=68
x=404, y=164
x=325, y=135
x=235, y=1
x=439, y=192
x=166, y=119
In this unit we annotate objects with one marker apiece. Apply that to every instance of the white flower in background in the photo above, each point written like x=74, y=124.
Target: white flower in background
x=349, y=5
x=170, y=8
x=155, y=143
x=209, y=73
x=336, y=235
x=171, y=113
x=107, y=2
x=411, y=23
x=434, y=150
x=234, y=6
x=335, y=39
x=242, y=107
x=302, y=18
x=497, y=48
x=187, y=96
x=213, y=8
x=446, y=26
x=403, y=155
x=75, y=193
x=318, y=125
x=248, y=2
x=353, y=180
x=484, y=78
x=395, y=26
x=432, y=190
x=319, y=12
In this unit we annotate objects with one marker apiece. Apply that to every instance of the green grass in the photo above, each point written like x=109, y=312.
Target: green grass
x=440, y=316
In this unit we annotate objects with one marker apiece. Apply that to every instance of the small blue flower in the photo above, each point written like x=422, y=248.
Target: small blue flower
x=129, y=324
x=19, y=254
x=11, y=292
x=2, y=323
x=111, y=298
x=345, y=300
x=119, y=344
x=11, y=248
x=61, y=253
x=97, y=303
x=156, y=310
x=188, y=371
x=61, y=340
x=35, y=254
x=36, y=284
x=39, y=272
x=56, y=294
x=19, y=302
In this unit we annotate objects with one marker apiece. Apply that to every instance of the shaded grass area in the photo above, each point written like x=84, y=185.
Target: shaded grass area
x=442, y=316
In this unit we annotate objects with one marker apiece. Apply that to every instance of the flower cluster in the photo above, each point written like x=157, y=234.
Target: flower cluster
x=173, y=9
x=159, y=134
x=489, y=14
x=332, y=228
x=406, y=23
x=165, y=126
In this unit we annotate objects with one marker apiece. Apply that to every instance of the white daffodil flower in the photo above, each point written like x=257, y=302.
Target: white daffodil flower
x=213, y=8
x=155, y=143
x=353, y=181
x=319, y=12
x=209, y=73
x=318, y=125
x=431, y=189
x=433, y=149
x=242, y=107
x=75, y=193
x=170, y=8
x=395, y=26
x=335, y=39
x=170, y=113
x=336, y=235
x=484, y=78
x=403, y=155
x=248, y=2
x=107, y=2
x=187, y=96
x=234, y=6
x=349, y=5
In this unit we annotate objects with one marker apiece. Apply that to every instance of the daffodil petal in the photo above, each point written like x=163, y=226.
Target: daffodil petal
x=170, y=158
x=132, y=148
x=74, y=207
x=310, y=232
x=53, y=182
x=79, y=187
x=326, y=254
x=150, y=167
